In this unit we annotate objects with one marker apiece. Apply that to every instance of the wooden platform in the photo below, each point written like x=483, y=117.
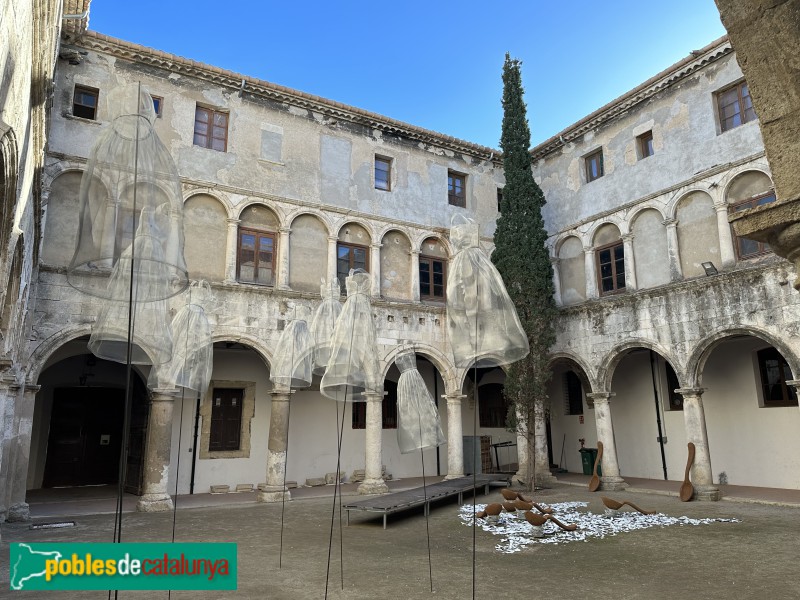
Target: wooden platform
x=387, y=504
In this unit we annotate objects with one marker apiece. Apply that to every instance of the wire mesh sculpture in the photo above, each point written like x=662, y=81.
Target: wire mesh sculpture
x=353, y=363
x=294, y=354
x=324, y=323
x=482, y=322
x=418, y=423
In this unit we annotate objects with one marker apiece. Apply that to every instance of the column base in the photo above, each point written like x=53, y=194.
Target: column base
x=273, y=493
x=154, y=503
x=453, y=476
x=545, y=479
x=612, y=483
x=19, y=513
x=707, y=492
x=372, y=486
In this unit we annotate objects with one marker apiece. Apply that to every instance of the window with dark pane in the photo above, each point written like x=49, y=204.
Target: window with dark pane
x=456, y=189
x=675, y=399
x=226, y=419
x=573, y=392
x=645, y=142
x=746, y=248
x=594, y=165
x=611, y=268
x=383, y=172
x=432, y=277
x=256, y=259
x=388, y=409
x=735, y=106
x=775, y=372
x=350, y=256
x=84, y=102
x=158, y=103
x=499, y=199
x=492, y=406
x=211, y=129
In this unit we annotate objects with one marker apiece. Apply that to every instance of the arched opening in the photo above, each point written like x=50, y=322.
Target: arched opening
x=698, y=235
x=609, y=259
x=433, y=270
x=396, y=266
x=257, y=245
x=571, y=415
x=650, y=249
x=205, y=231
x=748, y=190
x=308, y=254
x=572, y=271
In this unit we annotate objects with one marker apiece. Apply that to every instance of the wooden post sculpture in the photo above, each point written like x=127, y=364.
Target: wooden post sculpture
x=687, y=489
x=594, y=482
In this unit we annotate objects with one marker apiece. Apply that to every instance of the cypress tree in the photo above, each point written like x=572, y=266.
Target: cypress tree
x=522, y=258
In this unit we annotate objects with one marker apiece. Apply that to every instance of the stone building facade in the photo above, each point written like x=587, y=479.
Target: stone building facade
x=686, y=331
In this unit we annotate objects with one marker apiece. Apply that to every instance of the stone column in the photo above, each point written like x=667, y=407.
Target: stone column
x=232, y=249
x=332, y=241
x=630, y=262
x=542, y=473
x=673, y=250
x=9, y=388
x=274, y=490
x=18, y=509
x=375, y=269
x=591, y=272
x=373, y=460
x=795, y=383
x=556, y=263
x=415, y=275
x=522, y=451
x=283, y=259
x=156, y=497
x=611, y=479
x=726, y=252
x=455, y=436
x=695, y=422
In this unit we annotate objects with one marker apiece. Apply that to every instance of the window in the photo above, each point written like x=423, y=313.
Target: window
x=350, y=256
x=594, y=165
x=211, y=129
x=675, y=399
x=735, y=106
x=457, y=189
x=388, y=409
x=573, y=393
x=84, y=102
x=432, y=278
x=644, y=144
x=499, y=199
x=256, y=257
x=158, y=103
x=226, y=419
x=774, y=373
x=611, y=268
x=492, y=407
x=383, y=173
x=746, y=248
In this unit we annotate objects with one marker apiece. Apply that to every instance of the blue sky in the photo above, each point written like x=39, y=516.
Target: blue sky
x=435, y=64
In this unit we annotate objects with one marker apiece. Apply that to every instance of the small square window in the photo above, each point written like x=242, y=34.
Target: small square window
x=158, y=103
x=735, y=107
x=457, y=189
x=383, y=173
x=84, y=102
x=211, y=129
x=594, y=165
x=645, y=145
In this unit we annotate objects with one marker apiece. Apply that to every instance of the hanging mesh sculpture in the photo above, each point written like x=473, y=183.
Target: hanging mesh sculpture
x=353, y=364
x=418, y=424
x=482, y=323
x=324, y=322
x=129, y=248
x=193, y=352
x=294, y=355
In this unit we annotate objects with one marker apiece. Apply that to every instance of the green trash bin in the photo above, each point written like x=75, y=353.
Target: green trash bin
x=588, y=456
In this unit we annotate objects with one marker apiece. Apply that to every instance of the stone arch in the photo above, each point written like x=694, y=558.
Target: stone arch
x=42, y=353
x=615, y=221
x=697, y=359
x=9, y=167
x=226, y=334
x=205, y=237
x=280, y=216
x=462, y=373
x=639, y=209
x=259, y=214
x=672, y=203
x=343, y=235
x=438, y=358
x=571, y=269
x=605, y=373
x=320, y=216
x=747, y=183
x=221, y=197
x=583, y=371
x=698, y=233
x=421, y=238
x=396, y=268
x=308, y=251
x=651, y=256
x=62, y=218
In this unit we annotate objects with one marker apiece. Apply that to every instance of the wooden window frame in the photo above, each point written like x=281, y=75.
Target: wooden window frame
x=573, y=397
x=90, y=91
x=744, y=205
x=644, y=143
x=587, y=161
x=388, y=162
x=740, y=104
x=430, y=260
x=788, y=393
x=212, y=113
x=342, y=276
x=259, y=233
x=158, y=105
x=598, y=266
x=234, y=415
x=453, y=197
x=358, y=418
x=495, y=414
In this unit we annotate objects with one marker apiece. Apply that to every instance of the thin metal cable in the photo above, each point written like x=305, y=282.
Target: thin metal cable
x=286, y=457
x=427, y=508
x=474, y=439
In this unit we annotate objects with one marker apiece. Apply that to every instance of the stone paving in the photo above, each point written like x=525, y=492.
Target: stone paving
x=755, y=558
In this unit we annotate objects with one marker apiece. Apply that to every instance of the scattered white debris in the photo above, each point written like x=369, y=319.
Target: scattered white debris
x=516, y=531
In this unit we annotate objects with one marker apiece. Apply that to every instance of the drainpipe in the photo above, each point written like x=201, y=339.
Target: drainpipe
x=658, y=414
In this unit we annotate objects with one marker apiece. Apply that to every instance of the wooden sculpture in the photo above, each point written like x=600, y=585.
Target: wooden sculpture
x=522, y=506
x=594, y=482
x=538, y=520
x=687, y=490
x=509, y=507
x=491, y=510
x=614, y=505
x=511, y=495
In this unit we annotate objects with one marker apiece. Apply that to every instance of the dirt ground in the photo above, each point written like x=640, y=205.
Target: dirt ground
x=754, y=558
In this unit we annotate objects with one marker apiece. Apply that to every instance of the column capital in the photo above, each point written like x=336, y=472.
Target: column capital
x=554, y=260
x=454, y=398
x=374, y=396
x=333, y=238
x=32, y=388
x=284, y=230
x=414, y=252
x=670, y=222
x=588, y=249
x=627, y=237
x=601, y=396
x=163, y=394
x=281, y=395
x=721, y=207
x=376, y=245
x=691, y=391
x=795, y=383
x=233, y=221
